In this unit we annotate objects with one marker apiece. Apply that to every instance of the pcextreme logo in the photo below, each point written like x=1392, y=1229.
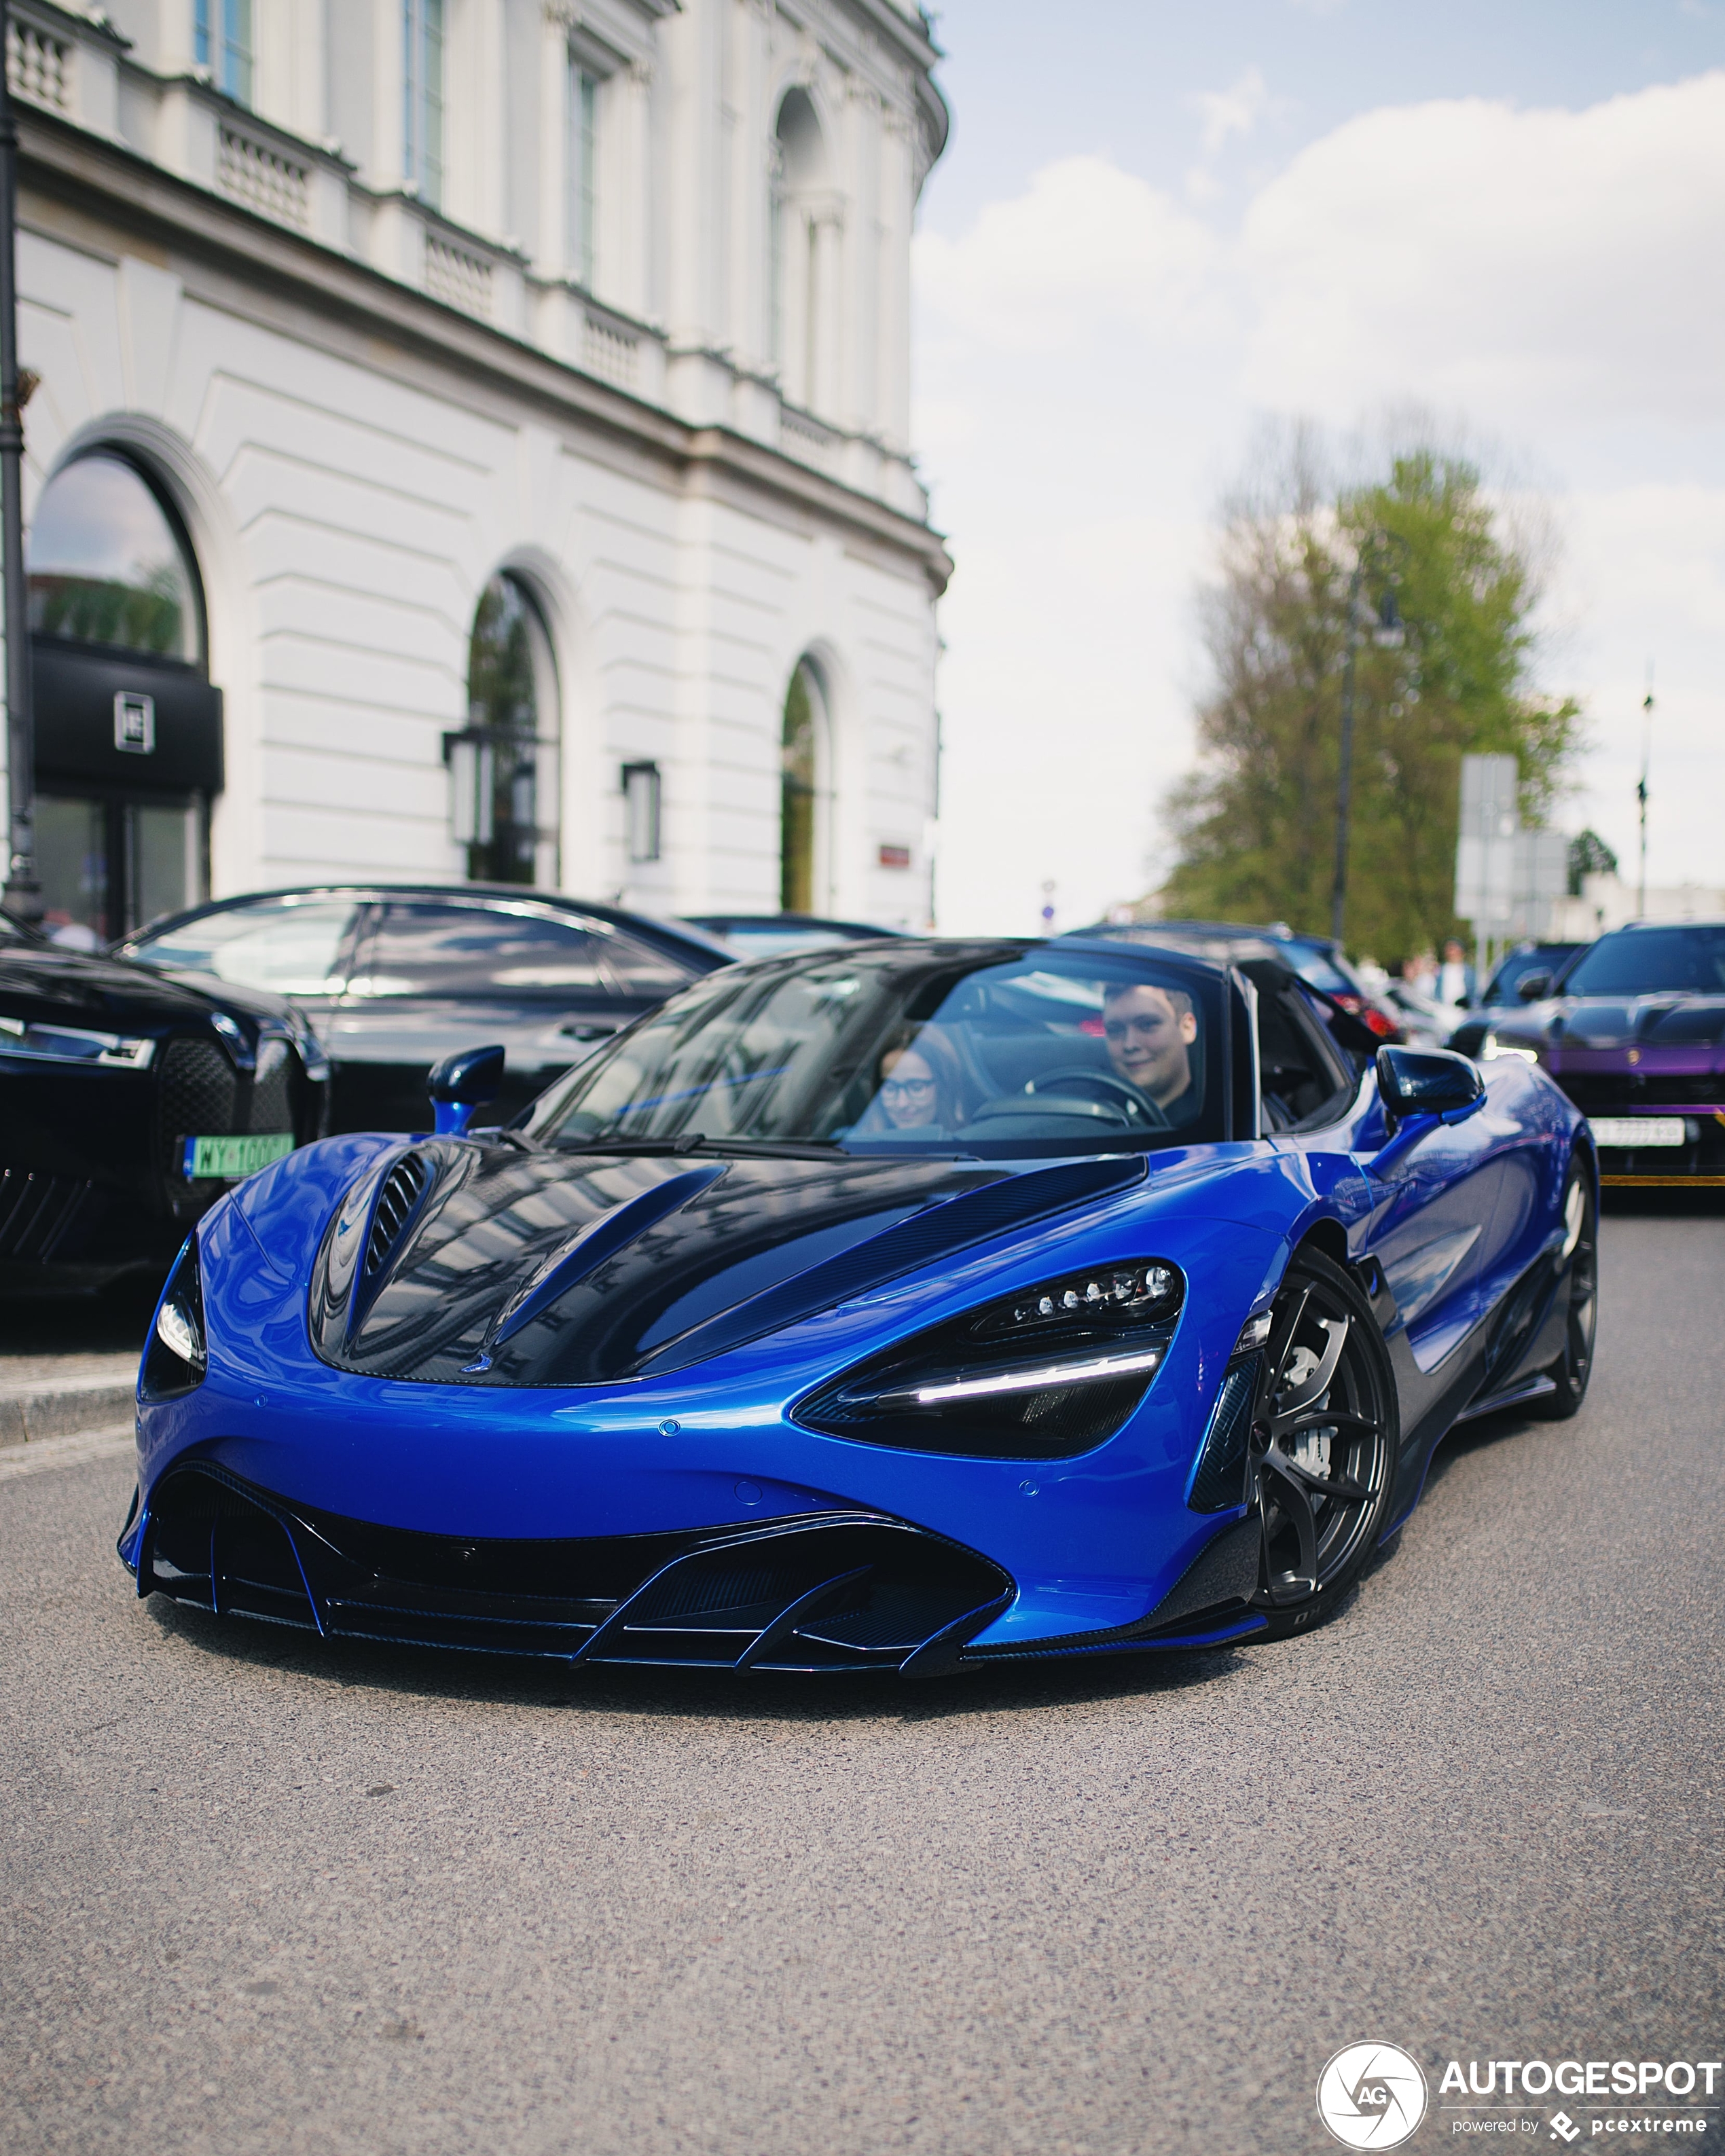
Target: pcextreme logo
x=1372, y=2096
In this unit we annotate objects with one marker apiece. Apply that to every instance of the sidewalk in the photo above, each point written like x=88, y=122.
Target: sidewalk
x=68, y=1371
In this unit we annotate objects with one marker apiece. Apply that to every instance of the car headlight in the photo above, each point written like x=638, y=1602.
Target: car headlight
x=1050, y=1371
x=1491, y=1047
x=176, y=1357
x=71, y=1044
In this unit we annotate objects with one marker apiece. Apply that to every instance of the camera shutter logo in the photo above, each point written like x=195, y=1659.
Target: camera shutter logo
x=1372, y=2096
x=135, y=723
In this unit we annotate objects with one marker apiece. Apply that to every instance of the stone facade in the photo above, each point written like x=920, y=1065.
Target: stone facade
x=620, y=309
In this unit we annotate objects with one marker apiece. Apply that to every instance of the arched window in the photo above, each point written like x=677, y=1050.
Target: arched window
x=109, y=566
x=128, y=727
x=504, y=764
x=799, y=275
x=802, y=796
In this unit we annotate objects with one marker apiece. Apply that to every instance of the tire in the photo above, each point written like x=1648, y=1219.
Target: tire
x=1579, y=1289
x=1325, y=1435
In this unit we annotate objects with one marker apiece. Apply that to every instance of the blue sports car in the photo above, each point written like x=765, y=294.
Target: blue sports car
x=911, y=1305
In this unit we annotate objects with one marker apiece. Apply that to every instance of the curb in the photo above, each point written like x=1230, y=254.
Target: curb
x=63, y=1409
x=69, y=1451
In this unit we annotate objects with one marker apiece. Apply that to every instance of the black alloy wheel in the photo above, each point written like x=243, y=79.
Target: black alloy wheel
x=1325, y=1434
x=1579, y=1293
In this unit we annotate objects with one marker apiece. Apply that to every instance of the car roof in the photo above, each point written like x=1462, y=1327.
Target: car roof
x=1634, y=927
x=863, y=931
x=1189, y=939
x=683, y=934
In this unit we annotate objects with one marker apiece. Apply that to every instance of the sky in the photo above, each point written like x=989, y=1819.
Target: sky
x=1162, y=231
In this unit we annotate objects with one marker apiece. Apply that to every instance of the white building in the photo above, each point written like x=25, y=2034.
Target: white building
x=471, y=438
x=1607, y=902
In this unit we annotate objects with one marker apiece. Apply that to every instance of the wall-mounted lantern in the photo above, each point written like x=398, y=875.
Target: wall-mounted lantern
x=640, y=809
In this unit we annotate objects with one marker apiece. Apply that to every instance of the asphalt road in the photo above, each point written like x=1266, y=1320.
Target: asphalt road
x=264, y=1895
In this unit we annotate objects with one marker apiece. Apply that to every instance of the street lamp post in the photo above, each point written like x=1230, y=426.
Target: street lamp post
x=23, y=893
x=1389, y=634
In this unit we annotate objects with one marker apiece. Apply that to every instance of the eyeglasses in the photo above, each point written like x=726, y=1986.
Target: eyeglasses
x=894, y=1089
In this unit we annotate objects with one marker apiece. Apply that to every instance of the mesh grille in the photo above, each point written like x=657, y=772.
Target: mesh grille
x=272, y=1098
x=35, y=1212
x=199, y=1093
x=403, y=1187
x=1601, y=1091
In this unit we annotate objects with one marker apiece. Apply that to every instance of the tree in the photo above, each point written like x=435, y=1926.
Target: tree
x=1588, y=855
x=1254, y=825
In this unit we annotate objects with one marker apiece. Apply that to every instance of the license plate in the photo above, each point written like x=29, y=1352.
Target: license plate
x=231, y=1159
x=1639, y=1131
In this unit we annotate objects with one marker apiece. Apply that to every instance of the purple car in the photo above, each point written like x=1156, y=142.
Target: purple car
x=1633, y=1028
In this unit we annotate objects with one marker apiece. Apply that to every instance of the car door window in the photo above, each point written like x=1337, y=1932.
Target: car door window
x=425, y=949
x=294, y=946
x=1305, y=1084
x=643, y=971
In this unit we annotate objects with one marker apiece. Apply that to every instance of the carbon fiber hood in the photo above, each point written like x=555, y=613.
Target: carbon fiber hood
x=462, y=1263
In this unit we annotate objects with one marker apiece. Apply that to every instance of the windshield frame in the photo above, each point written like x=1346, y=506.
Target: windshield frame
x=913, y=970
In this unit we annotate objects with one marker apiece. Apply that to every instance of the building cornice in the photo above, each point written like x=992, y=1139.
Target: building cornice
x=111, y=184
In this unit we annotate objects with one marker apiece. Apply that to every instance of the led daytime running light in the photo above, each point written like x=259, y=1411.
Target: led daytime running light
x=176, y=1332
x=1029, y=1381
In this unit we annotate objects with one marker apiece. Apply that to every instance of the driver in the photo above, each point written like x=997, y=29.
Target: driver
x=1150, y=1032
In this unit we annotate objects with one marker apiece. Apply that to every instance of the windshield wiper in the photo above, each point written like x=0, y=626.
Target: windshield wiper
x=698, y=1143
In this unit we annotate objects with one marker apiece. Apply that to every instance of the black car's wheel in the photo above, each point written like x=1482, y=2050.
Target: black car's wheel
x=1324, y=1440
x=1577, y=1293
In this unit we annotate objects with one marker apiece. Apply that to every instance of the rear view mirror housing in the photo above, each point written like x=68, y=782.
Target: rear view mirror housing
x=1533, y=988
x=1428, y=1081
x=462, y=1082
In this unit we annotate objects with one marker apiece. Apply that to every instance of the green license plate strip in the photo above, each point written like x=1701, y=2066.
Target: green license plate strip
x=230, y=1158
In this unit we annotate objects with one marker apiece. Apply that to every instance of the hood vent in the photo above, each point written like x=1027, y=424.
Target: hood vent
x=398, y=1202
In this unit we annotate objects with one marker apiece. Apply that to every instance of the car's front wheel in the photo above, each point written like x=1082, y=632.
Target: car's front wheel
x=1324, y=1434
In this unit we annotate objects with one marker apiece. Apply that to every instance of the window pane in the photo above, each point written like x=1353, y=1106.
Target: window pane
x=293, y=948
x=583, y=124
x=434, y=950
x=163, y=848
x=511, y=691
x=236, y=69
x=107, y=567
x=72, y=861
x=644, y=971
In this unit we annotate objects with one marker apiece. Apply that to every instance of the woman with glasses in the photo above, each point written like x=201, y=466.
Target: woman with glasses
x=922, y=1086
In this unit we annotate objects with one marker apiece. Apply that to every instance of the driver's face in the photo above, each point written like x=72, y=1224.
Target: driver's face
x=1147, y=1040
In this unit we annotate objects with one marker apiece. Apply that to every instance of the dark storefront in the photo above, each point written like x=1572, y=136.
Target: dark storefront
x=128, y=727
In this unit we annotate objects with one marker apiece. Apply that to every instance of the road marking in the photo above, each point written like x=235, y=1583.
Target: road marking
x=70, y=1451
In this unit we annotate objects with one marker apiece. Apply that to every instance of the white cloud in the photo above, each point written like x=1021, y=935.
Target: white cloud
x=1087, y=244
x=1519, y=263
x=1236, y=110
x=1091, y=353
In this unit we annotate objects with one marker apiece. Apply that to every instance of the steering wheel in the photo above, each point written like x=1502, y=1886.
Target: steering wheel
x=1138, y=1107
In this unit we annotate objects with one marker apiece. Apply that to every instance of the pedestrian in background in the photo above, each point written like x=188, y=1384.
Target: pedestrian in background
x=1421, y=974
x=1455, y=979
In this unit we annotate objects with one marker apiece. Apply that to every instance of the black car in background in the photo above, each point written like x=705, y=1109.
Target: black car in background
x=128, y=1104
x=1535, y=962
x=394, y=977
x=771, y=935
x=1633, y=1028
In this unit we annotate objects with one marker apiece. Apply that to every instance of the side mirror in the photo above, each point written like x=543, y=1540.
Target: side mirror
x=1427, y=1081
x=1532, y=988
x=461, y=1083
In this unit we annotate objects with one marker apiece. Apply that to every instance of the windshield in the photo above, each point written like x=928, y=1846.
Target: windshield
x=1640, y=962
x=986, y=1049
